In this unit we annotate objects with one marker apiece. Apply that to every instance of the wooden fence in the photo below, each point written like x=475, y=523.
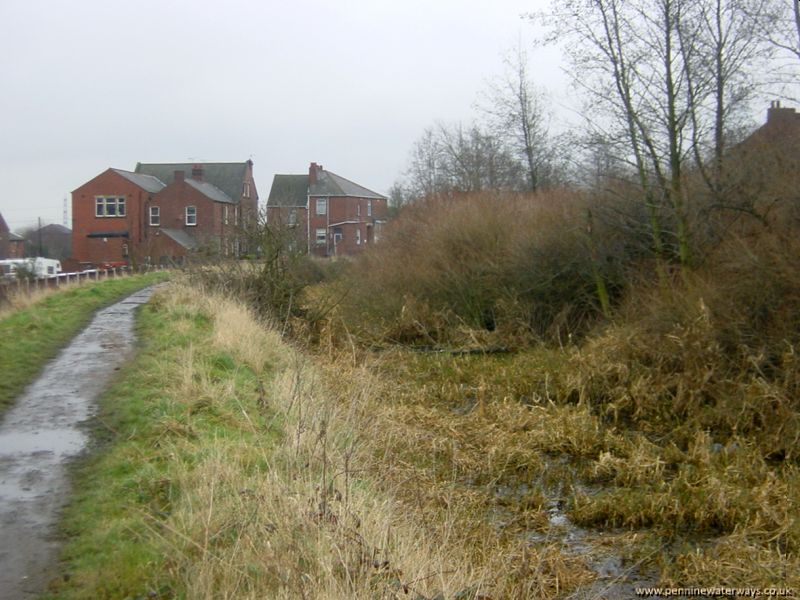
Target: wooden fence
x=26, y=285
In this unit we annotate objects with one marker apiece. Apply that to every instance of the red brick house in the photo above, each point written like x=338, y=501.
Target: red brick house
x=11, y=244
x=162, y=212
x=326, y=213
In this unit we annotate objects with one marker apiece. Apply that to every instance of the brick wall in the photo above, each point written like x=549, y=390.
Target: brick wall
x=349, y=225
x=88, y=245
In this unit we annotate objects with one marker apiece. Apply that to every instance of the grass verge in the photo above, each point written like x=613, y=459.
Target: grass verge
x=33, y=334
x=228, y=472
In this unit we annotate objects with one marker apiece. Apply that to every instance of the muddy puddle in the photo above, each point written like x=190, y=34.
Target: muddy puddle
x=615, y=577
x=40, y=433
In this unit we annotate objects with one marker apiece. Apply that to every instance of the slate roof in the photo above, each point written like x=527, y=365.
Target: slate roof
x=15, y=237
x=293, y=190
x=181, y=237
x=147, y=182
x=228, y=177
x=331, y=184
x=210, y=191
x=57, y=229
x=288, y=190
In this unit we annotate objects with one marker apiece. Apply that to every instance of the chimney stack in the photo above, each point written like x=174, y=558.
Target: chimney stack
x=312, y=173
x=779, y=115
x=197, y=172
x=179, y=175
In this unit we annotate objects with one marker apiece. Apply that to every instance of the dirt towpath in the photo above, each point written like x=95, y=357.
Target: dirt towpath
x=40, y=433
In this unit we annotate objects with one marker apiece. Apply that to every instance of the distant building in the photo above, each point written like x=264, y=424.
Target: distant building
x=51, y=241
x=163, y=212
x=11, y=244
x=768, y=160
x=326, y=213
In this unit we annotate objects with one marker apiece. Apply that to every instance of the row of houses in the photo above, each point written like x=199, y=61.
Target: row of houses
x=164, y=212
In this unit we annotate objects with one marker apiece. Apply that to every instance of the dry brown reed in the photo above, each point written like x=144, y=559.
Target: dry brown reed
x=505, y=268
x=291, y=515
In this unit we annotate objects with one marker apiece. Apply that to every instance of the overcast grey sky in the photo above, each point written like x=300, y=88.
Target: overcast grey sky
x=92, y=84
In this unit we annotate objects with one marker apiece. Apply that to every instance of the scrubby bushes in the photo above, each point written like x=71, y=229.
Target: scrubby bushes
x=271, y=283
x=710, y=347
x=496, y=267
x=716, y=352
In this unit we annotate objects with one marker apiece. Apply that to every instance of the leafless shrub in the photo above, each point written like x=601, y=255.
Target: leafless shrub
x=506, y=264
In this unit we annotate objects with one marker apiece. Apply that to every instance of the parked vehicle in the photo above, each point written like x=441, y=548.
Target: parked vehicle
x=40, y=268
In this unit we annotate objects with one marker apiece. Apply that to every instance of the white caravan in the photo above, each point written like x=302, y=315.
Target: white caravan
x=39, y=267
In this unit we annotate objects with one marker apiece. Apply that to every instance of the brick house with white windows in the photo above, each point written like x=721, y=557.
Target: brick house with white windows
x=162, y=211
x=328, y=214
x=11, y=244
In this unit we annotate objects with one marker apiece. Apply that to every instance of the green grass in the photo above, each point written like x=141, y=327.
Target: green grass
x=179, y=400
x=31, y=336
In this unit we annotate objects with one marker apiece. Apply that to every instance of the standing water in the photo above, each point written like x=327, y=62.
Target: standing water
x=40, y=433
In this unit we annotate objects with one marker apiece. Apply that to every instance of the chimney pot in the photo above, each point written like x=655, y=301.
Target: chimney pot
x=778, y=114
x=197, y=172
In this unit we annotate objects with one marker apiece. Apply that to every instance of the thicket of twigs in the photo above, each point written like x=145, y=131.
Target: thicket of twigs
x=711, y=345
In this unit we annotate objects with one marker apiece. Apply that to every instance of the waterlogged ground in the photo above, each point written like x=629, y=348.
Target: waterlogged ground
x=40, y=433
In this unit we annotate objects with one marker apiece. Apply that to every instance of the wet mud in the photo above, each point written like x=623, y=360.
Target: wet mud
x=40, y=433
x=615, y=577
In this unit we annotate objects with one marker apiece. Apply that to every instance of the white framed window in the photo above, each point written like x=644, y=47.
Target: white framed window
x=191, y=216
x=358, y=209
x=322, y=206
x=155, y=216
x=109, y=206
x=236, y=216
x=225, y=214
x=338, y=236
x=369, y=208
x=292, y=217
x=358, y=237
x=321, y=236
x=246, y=189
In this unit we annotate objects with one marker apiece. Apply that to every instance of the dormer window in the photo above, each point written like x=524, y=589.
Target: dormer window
x=246, y=189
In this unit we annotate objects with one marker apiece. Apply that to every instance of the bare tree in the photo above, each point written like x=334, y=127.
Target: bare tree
x=517, y=114
x=424, y=174
x=450, y=158
x=670, y=74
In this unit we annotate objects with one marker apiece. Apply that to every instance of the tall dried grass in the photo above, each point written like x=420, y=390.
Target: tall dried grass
x=504, y=268
x=291, y=516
